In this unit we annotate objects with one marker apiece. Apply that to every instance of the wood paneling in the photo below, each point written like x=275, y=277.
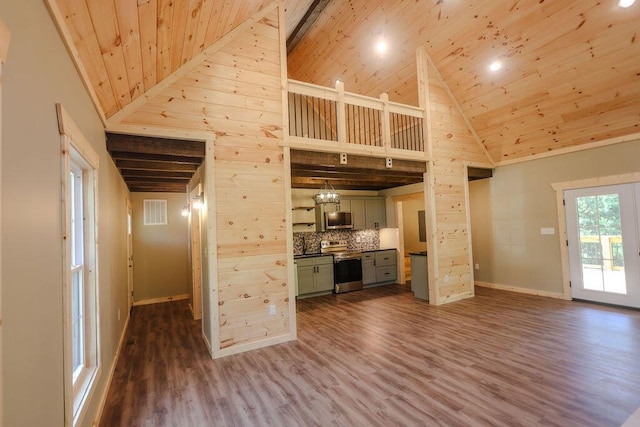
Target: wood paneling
x=125, y=48
x=380, y=357
x=227, y=94
x=570, y=73
x=452, y=146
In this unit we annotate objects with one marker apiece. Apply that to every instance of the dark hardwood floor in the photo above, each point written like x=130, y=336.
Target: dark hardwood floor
x=380, y=357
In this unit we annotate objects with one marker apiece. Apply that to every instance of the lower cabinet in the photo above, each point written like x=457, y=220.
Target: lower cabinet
x=315, y=274
x=368, y=268
x=379, y=267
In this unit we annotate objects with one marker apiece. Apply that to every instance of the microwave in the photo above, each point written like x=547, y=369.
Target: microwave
x=337, y=220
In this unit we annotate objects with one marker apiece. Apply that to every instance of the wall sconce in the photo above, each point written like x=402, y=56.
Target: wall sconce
x=185, y=210
x=198, y=201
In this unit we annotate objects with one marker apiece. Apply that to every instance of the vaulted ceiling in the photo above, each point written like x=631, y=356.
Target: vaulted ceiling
x=570, y=71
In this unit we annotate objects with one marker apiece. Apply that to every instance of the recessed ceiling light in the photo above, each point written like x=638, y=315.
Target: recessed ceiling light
x=381, y=46
x=495, y=66
x=626, y=3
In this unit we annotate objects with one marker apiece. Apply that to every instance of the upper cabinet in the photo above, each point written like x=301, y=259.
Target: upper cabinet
x=367, y=212
x=375, y=211
x=358, y=214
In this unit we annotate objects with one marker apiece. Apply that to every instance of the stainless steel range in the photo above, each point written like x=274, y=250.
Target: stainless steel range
x=347, y=271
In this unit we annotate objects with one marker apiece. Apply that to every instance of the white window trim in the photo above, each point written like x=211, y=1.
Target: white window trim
x=74, y=146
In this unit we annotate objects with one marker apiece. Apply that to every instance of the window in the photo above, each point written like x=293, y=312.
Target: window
x=81, y=334
x=76, y=238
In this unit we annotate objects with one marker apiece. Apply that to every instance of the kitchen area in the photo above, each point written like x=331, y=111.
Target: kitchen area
x=344, y=246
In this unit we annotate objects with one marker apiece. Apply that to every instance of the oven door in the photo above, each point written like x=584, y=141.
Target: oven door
x=347, y=275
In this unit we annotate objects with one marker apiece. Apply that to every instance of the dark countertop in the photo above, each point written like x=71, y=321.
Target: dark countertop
x=378, y=250
x=310, y=255
x=423, y=253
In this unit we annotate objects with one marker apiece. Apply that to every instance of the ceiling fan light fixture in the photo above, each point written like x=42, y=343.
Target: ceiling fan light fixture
x=327, y=195
x=495, y=66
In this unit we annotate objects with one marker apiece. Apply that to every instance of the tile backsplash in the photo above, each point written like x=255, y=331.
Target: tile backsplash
x=357, y=240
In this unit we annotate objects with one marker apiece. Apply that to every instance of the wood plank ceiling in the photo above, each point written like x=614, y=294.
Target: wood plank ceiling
x=570, y=70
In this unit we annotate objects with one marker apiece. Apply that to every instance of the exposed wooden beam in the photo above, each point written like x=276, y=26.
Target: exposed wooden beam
x=151, y=165
x=302, y=170
x=148, y=145
x=300, y=158
x=307, y=21
x=479, y=173
x=346, y=184
x=158, y=187
x=154, y=180
x=119, y=155
x=128, y=173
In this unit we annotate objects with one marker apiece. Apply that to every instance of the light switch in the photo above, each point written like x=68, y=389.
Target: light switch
x=547, y=230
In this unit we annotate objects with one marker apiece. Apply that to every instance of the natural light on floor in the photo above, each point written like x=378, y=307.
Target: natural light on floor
x=599, y=279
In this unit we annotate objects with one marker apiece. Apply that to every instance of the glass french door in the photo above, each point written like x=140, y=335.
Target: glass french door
x=602, y=233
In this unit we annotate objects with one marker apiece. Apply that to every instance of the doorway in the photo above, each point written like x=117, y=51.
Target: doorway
x=196, y=250
x=129, y=255
x=409, y=222
x=603, y=236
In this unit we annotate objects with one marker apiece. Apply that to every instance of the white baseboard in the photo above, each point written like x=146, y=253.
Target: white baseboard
x=112, y=371
x=161, y=299
x=521, y=290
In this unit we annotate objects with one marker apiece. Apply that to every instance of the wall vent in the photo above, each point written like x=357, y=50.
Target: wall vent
x=155, y=212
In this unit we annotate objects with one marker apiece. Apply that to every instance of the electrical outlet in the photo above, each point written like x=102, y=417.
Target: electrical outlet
x=358, y=239
x=477, y=266
x=389, y=163
x=343, y=158
x=118, y=314
x=272, y=310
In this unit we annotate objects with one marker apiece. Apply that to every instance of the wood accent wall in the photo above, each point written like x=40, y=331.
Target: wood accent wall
x=452, y=146
x=237, y=94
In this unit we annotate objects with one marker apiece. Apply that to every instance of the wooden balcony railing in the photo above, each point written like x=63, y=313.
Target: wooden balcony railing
x=332, y=119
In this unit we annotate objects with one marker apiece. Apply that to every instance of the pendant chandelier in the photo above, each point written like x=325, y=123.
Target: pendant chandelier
x=326, y=195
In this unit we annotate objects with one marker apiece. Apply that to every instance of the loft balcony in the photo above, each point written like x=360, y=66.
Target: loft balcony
x=327, y=119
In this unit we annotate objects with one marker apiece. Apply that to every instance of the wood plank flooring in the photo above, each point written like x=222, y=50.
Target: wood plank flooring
x=379, y=357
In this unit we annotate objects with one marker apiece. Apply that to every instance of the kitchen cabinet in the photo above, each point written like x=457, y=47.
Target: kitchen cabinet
x=368, y=268
x=343, y=206
x=315, y=274
x=368, y=212
x=379, y=267
x=358, y=214
x=375, y=213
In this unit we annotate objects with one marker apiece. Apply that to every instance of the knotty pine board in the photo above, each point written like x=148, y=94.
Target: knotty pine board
x=243, y=106
x=148, y=43
x=128, y=27
x=83, y=36
x=452, y=146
